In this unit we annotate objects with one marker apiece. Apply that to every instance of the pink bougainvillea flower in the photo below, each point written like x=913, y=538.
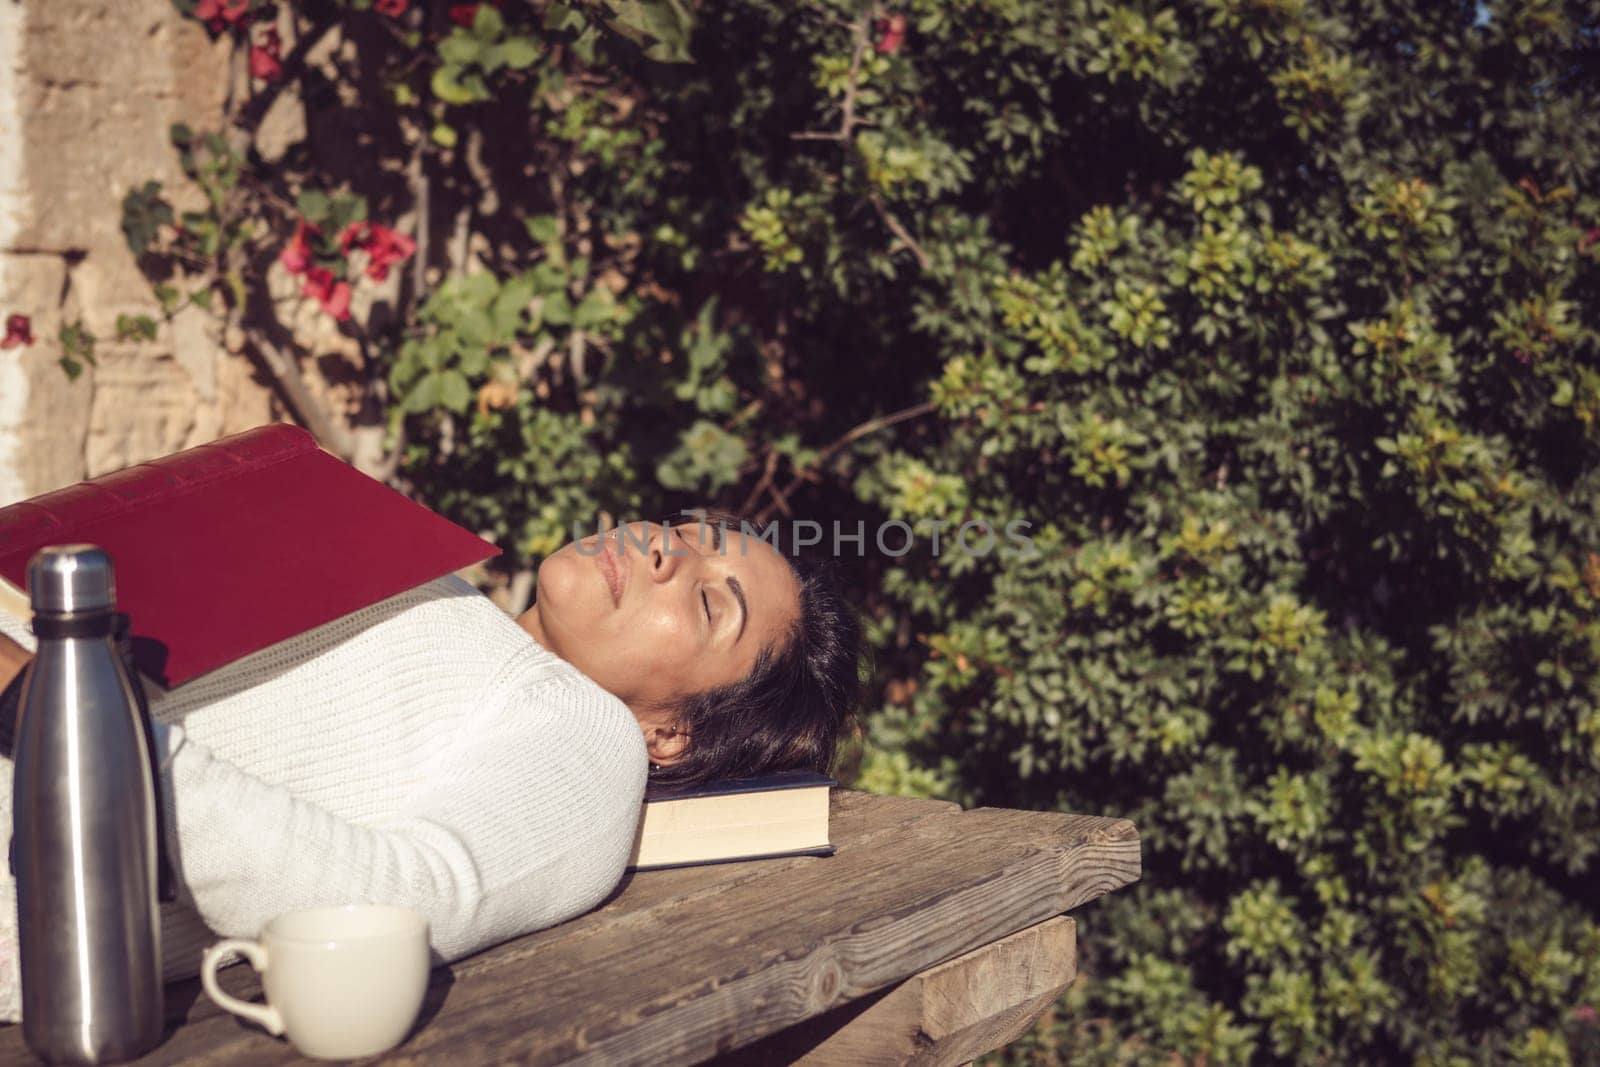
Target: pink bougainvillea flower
x=296, y=255
x=891, y=33
x=334, y=296
x=355, y=235
x=217, y=14
x=19, y=331
x=266, y=59
x=393, y=8
x=384, y=247
x=338, y=302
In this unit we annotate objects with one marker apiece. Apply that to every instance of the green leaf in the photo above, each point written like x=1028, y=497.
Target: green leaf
x=346, y=208
x=476, y=290
x=510, y=304
x=520, y=53
x=454, y=392
x=460, y=48
x=424, y=395
x=443, y=134
x=550, y=276
x=473, y=361
x=562, y=17
x=488, y=24
x=557, y=309
x=313, y=204
x=594, y=309
x=661, y=27
x=144, y=211
x=475, y=329
x=77, y=341
x=492, y=58
x=585, y=44
x=136, y=328
x=545, y=229
x=447, y=86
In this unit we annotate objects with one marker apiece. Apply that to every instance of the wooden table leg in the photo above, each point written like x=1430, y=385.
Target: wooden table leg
x=942, y=1017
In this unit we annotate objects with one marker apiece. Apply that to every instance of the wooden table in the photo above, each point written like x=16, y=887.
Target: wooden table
x=932, y=935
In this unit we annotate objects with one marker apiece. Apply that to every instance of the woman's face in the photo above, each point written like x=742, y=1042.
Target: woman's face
x=655, y=615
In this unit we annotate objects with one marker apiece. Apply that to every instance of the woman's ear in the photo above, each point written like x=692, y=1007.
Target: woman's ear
x=666, y=745
x=664, y=739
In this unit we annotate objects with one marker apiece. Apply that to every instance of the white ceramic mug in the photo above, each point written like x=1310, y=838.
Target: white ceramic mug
x=341, y=982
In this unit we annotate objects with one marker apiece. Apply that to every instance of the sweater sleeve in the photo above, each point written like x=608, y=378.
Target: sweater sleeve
x=526, y=822
x=18, y=630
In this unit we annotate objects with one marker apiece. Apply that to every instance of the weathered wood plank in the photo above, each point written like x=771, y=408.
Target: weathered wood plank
x=744, y=965
x=945, y=1015
x=681, y=964
x=855, y=820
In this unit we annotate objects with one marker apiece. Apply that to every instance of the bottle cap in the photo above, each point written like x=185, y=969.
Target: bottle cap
x=71, y=578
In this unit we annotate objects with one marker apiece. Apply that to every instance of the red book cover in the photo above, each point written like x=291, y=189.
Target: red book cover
x=223, y=549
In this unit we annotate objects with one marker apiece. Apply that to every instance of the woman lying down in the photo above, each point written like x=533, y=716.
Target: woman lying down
x=488, y=771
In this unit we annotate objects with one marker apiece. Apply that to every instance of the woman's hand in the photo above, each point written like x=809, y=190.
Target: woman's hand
x=13, y=658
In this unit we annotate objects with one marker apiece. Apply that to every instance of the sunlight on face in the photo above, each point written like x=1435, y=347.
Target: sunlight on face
x=683, y=610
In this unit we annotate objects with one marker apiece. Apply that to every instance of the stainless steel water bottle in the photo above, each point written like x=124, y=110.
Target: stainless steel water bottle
x=84, y=834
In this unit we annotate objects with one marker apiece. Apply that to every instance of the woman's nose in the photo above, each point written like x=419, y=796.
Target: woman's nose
x=667, y=553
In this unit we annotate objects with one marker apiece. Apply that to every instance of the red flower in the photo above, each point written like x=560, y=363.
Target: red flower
x=19, y=331
x=393, y=8
x=1589, y=237
x=334, y=296
x=464, y=14
x=219, y=13
x=383, y=246
x=296, y=255
x=891, y=33
x=266, y=57
x=355, y=235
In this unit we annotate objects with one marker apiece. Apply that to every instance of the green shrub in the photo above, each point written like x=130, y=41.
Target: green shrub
x=1275, y=318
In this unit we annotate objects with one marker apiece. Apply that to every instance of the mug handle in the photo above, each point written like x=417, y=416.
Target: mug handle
x=268, y=1017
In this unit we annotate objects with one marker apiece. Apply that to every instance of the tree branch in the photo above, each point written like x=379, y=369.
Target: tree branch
x=900, y=231
x=860, y=29
x=294, y=67
x=847, y=118
x=805, y=473
x=302, y=404
x=764, y=484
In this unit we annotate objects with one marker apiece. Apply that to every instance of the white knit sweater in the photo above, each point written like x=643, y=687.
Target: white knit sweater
x=424, y=751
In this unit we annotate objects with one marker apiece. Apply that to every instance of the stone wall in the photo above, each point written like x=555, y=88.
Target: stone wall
x=88, y=91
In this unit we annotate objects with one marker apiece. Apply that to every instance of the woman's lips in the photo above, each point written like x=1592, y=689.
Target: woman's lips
x=610, y=569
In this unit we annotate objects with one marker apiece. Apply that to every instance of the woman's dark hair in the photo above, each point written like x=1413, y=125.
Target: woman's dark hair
x=796, y=704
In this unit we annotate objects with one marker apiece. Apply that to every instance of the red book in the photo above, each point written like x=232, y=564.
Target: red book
x=226, y=548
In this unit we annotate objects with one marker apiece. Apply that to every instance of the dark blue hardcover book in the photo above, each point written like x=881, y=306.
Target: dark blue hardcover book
x=760, y=783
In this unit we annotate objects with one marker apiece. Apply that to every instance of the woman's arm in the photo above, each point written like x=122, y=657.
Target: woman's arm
x=526, y=824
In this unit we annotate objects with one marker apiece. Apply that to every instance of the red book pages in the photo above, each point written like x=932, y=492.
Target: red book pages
x=226, y=548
